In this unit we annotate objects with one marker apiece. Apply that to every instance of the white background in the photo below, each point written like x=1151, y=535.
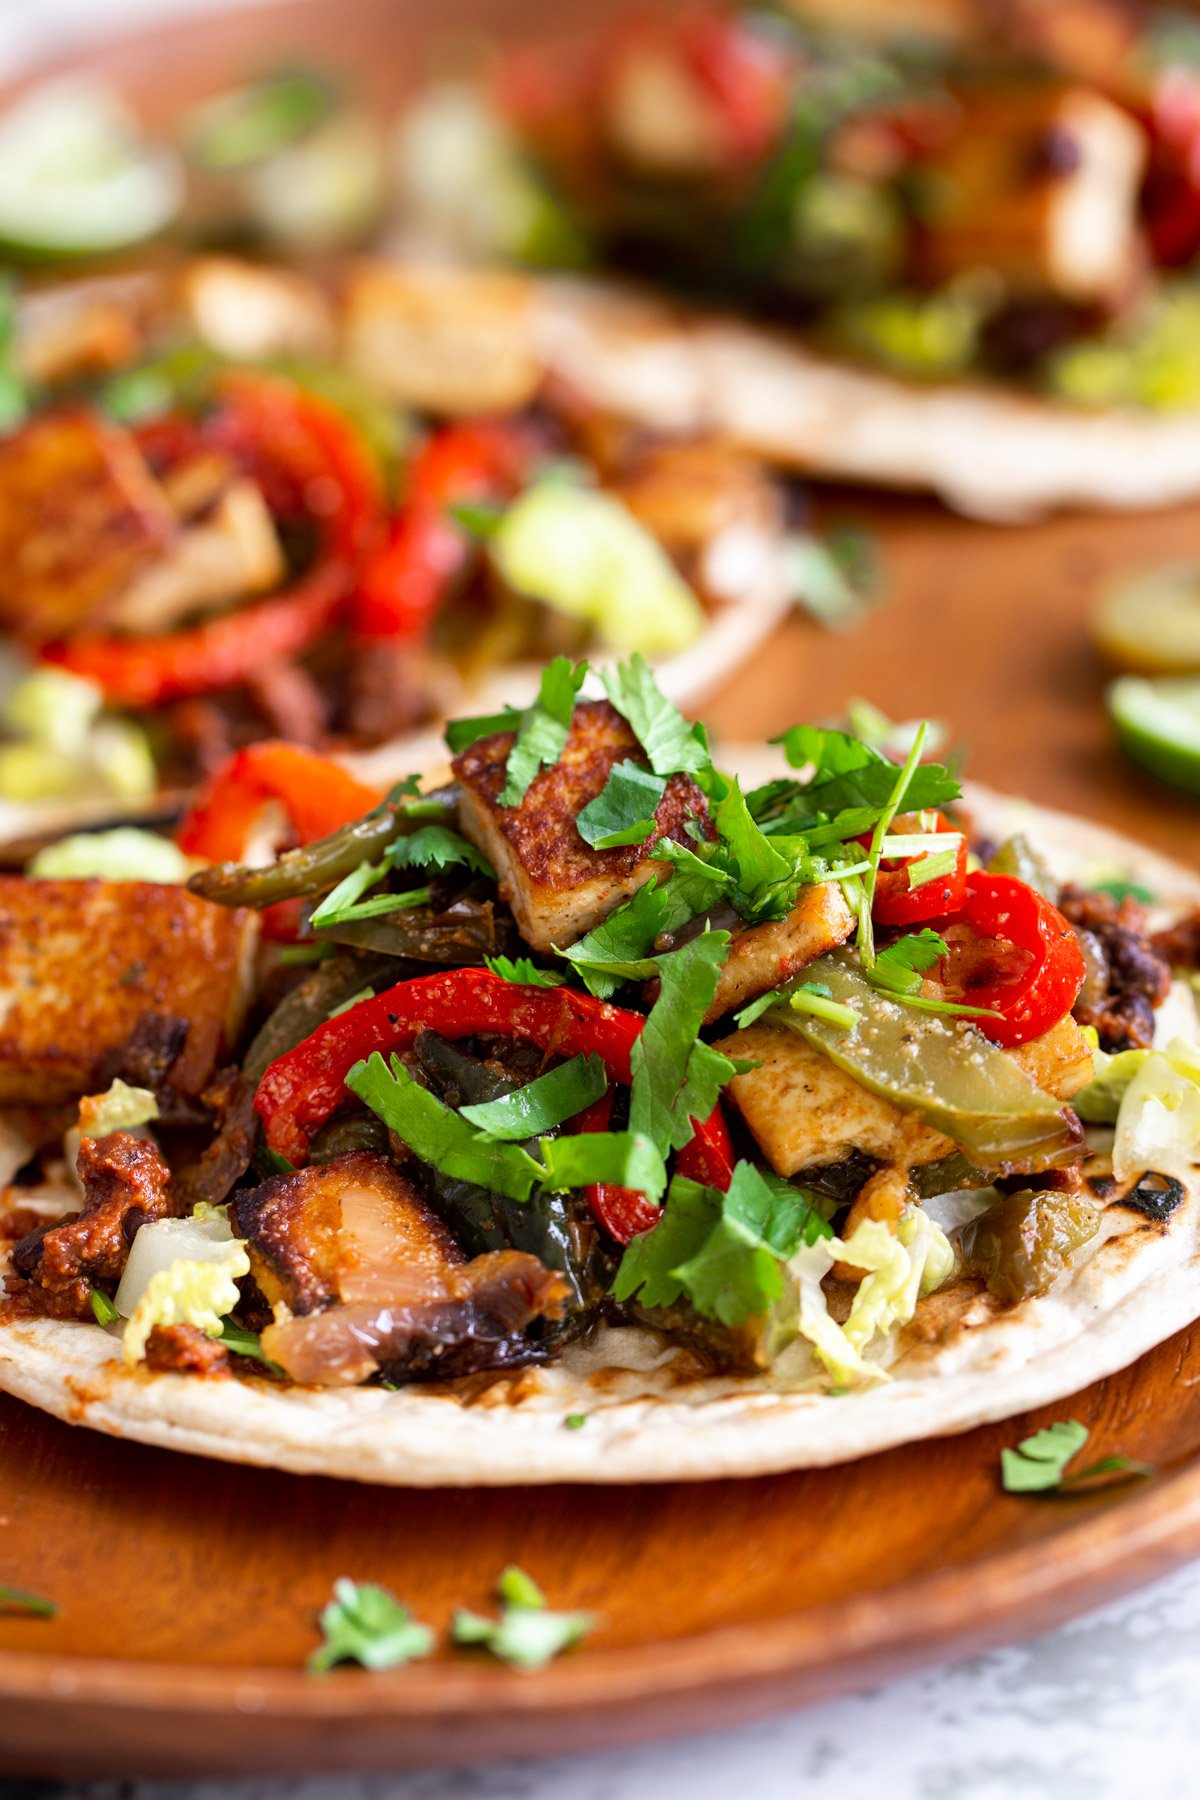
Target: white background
x=1105, y=1709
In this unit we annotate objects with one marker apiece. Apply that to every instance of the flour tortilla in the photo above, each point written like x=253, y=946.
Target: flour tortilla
x=987, y=450
x=648, y=1417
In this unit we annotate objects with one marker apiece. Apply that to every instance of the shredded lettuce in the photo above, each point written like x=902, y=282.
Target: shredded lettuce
x=583, y=553
x=123, y=854
x=1100, y=1101
x=1158, y=1120
x=122, y=1108
x=66, y=747
x=180, y=1272
x=900, y=1267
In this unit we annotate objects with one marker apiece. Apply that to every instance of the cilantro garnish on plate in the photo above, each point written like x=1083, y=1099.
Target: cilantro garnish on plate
x=366, y=1624
x=1038, y=1464
x=527, y=1635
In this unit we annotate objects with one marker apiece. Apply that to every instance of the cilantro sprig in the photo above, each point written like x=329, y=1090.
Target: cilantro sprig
x=623, y=812
x=366, y=1624
x=547, y=1101
x=723, y=1252
x=18, y=1600
x=523, y=972
x=527, y=1635
x=544, y=728
x=672, y=744
x=1038, y=1465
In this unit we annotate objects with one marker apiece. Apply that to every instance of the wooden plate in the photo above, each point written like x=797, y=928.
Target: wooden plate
x=188, y=1590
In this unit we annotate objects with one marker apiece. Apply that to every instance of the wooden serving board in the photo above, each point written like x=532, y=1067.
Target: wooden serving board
x=188, y=1590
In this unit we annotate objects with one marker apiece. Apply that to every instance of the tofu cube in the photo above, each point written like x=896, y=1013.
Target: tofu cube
x=1041, y=185
x=444, y=340
x=80, y=514
x=806, y=1113
x=557, y=886
x=763, y=956
x=83, y=962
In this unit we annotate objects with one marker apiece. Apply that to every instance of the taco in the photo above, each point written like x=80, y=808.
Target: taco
x=608, y=1117
x=219, y=526
x=977, y=225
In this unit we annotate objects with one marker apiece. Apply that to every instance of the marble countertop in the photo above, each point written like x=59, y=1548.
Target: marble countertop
x=1102, y=1709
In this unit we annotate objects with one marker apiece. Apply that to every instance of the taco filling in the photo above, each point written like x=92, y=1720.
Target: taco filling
x=788, y=1079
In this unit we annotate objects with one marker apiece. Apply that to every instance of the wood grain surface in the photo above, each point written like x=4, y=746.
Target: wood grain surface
x=188, y=1590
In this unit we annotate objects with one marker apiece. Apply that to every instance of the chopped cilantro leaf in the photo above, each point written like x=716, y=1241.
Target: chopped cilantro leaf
x=436, y=847
x=477, y=518
x=462, y=733
x=575, y=1421
x=1038, y=1464
x=901, y=964
x=365, y=1624
x=523, y=972
x=826, y=752
x=619, y=1158
x=241, y=1342
x=103, y=1310
x=542, y=733
x=1125, y=890
x=543, y=1103
x=438, y=1134
x=766, y=879
x=675, y=1074
x=622, y=947
x=931, y=867
x=723, y=1252
x=670, y=742
x=18, y=1600
x=527, y=1634
x=929, y=786
x=623, y=813
x=344, y=905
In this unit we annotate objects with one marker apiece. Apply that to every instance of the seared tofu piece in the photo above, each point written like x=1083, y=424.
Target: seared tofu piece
x=445, y=340
x=80, y=515
x=364, y=1279
x=1060, y=1061
x=557, y=886
x=326, y=1233
x=689, y=495
x=80, y=329
x=84, y=963
x=233, y=553
x=761, y=957
x=1041, y=185
x=804, y=1112
x=247, y=312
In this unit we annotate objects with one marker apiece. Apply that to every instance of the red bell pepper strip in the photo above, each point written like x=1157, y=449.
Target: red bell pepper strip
x=316, y=793
x=152, y=671
x=1006, y=913
x=744, y=76
x=306, y=1086
x=896, y=903
x=621, y=1211
x=404, y=585
x=707, y=1157
x=307, y=458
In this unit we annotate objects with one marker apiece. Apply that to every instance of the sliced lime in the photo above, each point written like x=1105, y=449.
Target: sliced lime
x=1150, y=622
x=1159, y=726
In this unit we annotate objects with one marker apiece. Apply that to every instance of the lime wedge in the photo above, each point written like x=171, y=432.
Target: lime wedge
x=1150, y=623
x=1158, y=723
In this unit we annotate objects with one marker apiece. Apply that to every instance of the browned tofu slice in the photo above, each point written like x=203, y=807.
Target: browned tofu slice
x=1041, y=184
x=806, y=1113
x=445, y=340
x=83, y=963
x=80, y=515
x=232, y=553
x=763, y=956
x=1060, y=1061
x=558, y=887
x=247, y=312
